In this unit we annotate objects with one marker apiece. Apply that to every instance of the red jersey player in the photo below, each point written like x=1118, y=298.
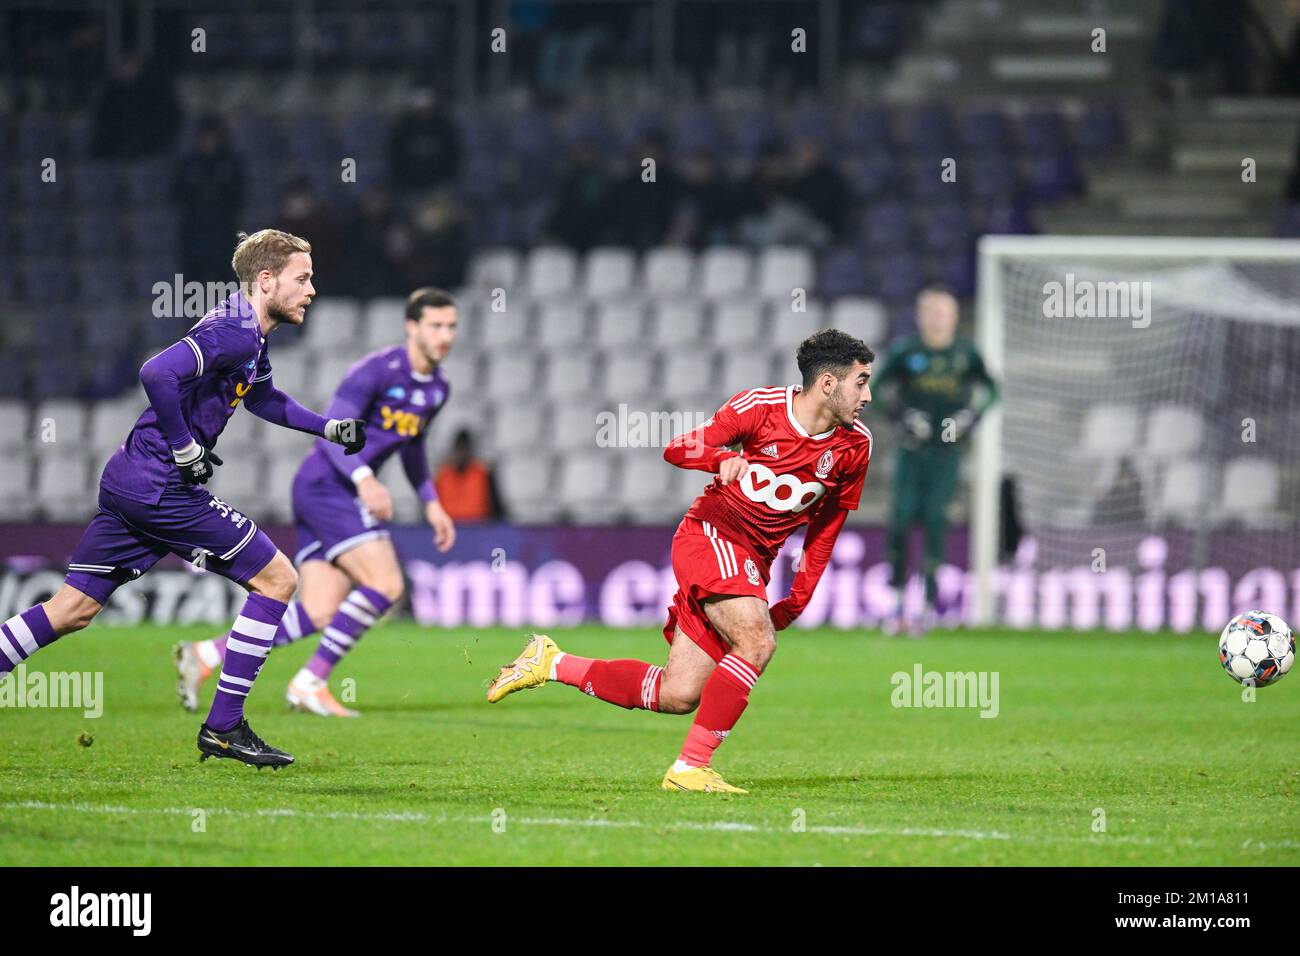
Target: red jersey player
x=802, y=460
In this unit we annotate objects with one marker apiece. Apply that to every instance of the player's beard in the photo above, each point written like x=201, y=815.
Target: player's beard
x=843, y=408
x=281, y=313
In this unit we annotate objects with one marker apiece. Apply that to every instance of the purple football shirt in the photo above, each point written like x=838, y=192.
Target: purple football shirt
x=397, y=405
x=231, y=354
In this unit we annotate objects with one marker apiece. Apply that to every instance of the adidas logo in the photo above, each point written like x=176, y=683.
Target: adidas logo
x=770, y=451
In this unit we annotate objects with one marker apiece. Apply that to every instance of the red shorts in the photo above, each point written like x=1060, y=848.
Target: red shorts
x=705, y=563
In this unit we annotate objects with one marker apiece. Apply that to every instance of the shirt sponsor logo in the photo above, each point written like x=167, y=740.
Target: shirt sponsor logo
x=779, y=492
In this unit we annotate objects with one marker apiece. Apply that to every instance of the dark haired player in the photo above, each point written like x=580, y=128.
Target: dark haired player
x=802, y=460
x=151, y=502
x=350, y=572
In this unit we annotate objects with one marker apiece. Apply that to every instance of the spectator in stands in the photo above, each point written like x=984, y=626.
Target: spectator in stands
x=424, y=148
x=439, y=242
x=582, y=215
x=1195, y=34
x=373, y=269
x=465, y=484
x=137, y=114
x=208, y=191
x=302, y=213
x=646, y=209
x=772, y=213
x=818, y=185
x=708, y=205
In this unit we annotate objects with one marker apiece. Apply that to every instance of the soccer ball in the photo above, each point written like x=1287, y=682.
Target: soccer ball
x=1256, y=648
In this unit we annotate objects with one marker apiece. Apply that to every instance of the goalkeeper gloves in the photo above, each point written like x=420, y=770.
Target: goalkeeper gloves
x=195, y=463
x=917, y=424
x=348, y=432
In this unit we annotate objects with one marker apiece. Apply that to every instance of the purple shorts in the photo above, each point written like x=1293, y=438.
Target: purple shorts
x=127, y=538
x=330, y=518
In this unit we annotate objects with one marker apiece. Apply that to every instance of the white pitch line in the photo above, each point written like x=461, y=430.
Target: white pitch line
x=720, y=826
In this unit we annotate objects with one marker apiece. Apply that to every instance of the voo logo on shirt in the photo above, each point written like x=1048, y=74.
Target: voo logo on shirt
x=134, y=910
x=779, y=492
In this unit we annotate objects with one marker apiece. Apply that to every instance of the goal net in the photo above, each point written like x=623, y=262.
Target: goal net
x=1149, y=433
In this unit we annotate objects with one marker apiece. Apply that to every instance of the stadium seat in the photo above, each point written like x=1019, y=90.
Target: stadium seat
x=111, y=421
x=862, y=317
x=519, y=429
x=571, y=371
x=16, y=499
x=1183, y=493
x=508, y=329
x=1173, y=431
x=608, y=271
x=384, y=312
x=240, y=482
x=574, y=423
x=561, y=324
x=789, y=328
x=292, y=370
x=330, y=371
x=275, y=502
x=527, y=489
x=629, y=372
x=63, y=484
x=549, y=271
x=645, y=490
x=679, y=322
x=59, y=421
x=511, y=374
x=739, y=323
x=619, y=322
x=782, y=269
x=724, y=270
x=1251, y=488
x=668, y=270
x=587, y=486
x=746, y=370
x=13, y=425
x=1109, y=431
x=495, y=269
x=332, y=324
x=686, y=371
x=461, y=366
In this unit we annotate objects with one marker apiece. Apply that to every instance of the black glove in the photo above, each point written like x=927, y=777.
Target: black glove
x=195, y=463
x=348, y=432
x=917, y=424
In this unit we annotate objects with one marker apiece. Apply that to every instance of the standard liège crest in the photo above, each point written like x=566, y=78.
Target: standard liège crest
x=751, y=570
x=824, y=464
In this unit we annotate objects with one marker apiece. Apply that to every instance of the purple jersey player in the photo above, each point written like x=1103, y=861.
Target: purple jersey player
x=151, y=499
x=350, y=572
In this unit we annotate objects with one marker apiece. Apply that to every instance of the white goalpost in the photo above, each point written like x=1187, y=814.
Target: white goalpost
x=1149, y=427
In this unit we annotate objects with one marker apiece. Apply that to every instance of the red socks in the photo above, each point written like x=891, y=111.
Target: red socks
x=630, y=684
x=723, y=700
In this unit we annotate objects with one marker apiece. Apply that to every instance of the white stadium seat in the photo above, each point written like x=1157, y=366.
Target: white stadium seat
x=687, y=371
x=549, y=271
x=1173, y=431
x=1183, y=493
x=788, y=328
x=668, y=270
x=561, y=324
x=571, y=371
x=60, y=420
x=679, y=321
x=608, y=271
x=494, y=269
x=725, y=270
x=587, y=487
x=862, y=317
x=520, y=428
x=111, y=421
x=331, y=324
x=382, y=318
x=527, y=489
x=510, y=328
x=16, y=500
x=511, y=373
x=574, y=423
x=1251, y=487
x=64, y=485
x=742, y=370
x=13, y=424
x=619, y=322
x=1109, y=431
x=738, y=323
x=241, y=481
x=627, y=373
x=782, y=269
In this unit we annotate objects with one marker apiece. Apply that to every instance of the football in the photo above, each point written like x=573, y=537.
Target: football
x=1257, y=648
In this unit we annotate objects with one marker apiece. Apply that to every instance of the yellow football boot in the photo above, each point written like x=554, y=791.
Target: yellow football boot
x=698, y=780
x=532, y=668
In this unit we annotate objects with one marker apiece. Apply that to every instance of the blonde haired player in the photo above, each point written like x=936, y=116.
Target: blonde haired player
x=802, y=460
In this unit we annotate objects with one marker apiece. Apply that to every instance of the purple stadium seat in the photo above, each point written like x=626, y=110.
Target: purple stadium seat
x=1288, y=224
x=842, y=272
x=888, y=225
x=698, y=129
x=989, y=177
x=1052, y=176
x=985, y=130
x=874, y=172
x=1100, y=129
x=929, y=129
x=868, y=127
x=1043, y=131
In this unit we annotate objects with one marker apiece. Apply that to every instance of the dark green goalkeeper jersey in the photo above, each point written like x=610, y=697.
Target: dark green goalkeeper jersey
x=937, y=382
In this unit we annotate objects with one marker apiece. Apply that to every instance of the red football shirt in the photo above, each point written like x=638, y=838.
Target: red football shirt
x=791, y=474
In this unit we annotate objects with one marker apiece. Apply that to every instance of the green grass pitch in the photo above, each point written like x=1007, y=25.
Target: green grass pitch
x=1143, y=728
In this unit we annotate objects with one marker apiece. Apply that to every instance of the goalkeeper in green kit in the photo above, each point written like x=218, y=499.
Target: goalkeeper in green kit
x=935, y=387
